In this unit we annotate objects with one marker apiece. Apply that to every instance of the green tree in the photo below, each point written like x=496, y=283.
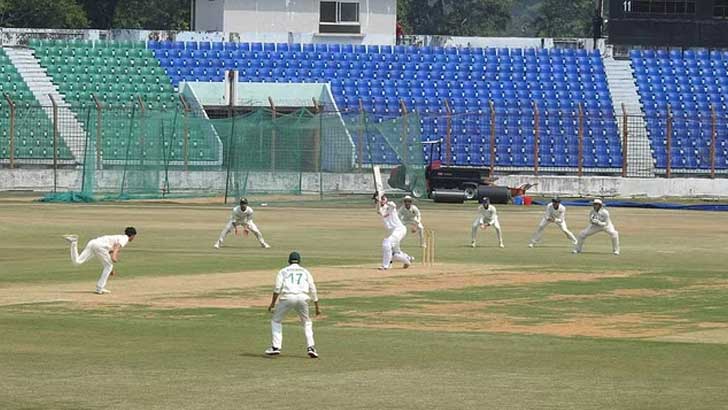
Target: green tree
x=42, y=14
x=152, y=14
x=455, y=17
x=100, y=12
x=565, y=18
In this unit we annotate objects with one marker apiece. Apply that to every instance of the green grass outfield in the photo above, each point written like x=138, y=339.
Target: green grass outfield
x=485, y=328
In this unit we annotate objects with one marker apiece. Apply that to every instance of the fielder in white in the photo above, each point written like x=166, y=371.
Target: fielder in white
x=487, y=216
x=599, y=221
x=396, y=232
x=242, y=215
x=106, y=248
x=555, y=214
x=410, y=215
x=294, y=288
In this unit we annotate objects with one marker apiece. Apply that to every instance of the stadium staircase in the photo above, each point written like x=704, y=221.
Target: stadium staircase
x=70, y=129
x=624, y=93
x=33, y=133
x=119, y=74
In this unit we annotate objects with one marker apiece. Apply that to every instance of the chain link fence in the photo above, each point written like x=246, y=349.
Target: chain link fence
x=131, y=151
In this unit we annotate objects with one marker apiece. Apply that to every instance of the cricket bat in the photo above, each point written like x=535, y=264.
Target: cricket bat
x=378, y=184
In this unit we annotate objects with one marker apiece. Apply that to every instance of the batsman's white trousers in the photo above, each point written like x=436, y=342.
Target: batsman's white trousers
x=249, y=226
x=479, y=221
x=299, y=303
x=592, y=229
x=542, y=226
x=391, y=250
x=420, y=230
x=93, y=249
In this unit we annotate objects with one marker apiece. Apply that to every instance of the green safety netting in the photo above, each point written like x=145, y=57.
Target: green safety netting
x=131, y=153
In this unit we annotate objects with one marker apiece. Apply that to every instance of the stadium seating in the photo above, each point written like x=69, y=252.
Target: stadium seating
x=689, y=83
x=33, y=129
x=117, y=73
x=555, y=80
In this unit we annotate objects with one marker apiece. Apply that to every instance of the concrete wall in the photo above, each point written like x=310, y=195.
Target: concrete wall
x=620, y=187
x=202, y=181
x=195, y=181
x=293, y=20
x=209, y=15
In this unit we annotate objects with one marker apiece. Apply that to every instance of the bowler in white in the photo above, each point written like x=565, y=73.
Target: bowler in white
x=106, y=248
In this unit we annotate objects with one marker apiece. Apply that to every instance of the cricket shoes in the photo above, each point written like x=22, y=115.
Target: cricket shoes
x=382, y=268
x=411, y=259
x=575, y=252
x=272, y=351
x=312, y=353
x=500, y=245
x=530, y=245
x=264, y=245
x=616, y=253
x=423, y=246
x=217, y=245
x=102, y=291
x=71, y=238
x=472, y=244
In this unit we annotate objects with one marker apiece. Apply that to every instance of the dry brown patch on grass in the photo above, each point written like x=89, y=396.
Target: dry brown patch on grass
x=459, y=318
x=213, y=290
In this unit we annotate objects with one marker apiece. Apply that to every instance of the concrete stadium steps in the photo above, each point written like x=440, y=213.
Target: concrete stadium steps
x=40, y=84
x=624, y=92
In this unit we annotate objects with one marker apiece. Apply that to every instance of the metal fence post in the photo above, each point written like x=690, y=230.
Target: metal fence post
x=405, y=130
x=448, y=133
x=143, y=126
x=362, y=125
x=713, y=138
x=99, y=110
x=318, y=146
x=492, y=137
x=668, y=141
x=273, y=114
x=580, y=141
x=625, y=140
x=536, y=138
x=186, y=134
x=11, y=133
x=55, y=143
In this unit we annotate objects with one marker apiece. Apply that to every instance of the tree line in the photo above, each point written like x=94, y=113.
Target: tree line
x=548, y=18
x=96, y=14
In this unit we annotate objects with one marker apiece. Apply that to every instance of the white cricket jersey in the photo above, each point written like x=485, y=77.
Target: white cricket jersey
x=242, y=217
x=390, y=216
x=557, y=215
x=600, y=218
x=295, y=280
x=411, y=215
x=489, y=215
x=107, y=242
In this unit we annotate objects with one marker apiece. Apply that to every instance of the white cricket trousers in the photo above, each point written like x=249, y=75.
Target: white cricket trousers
x=299, y=303
x=390, y=248
x=249, y=226
x=542, y=226
x=592, y=229
x=420, y=230
x=93, y=249
x=476, y=225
